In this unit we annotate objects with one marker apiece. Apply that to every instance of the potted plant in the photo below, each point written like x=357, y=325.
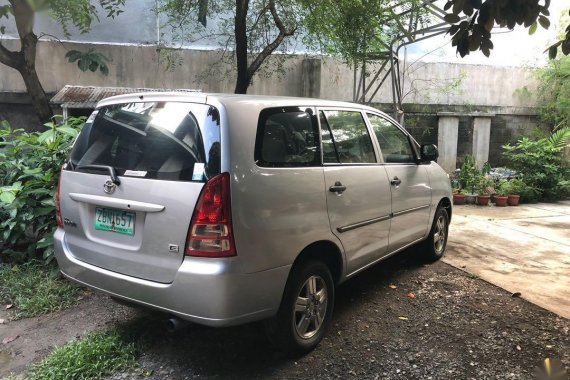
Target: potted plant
x=484, y=189
x=515, y=188
x=501, y=195
x=468, y=177
x=458, y=196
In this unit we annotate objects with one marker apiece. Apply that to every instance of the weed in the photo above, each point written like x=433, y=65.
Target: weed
x=35, y=290
x=91, y=357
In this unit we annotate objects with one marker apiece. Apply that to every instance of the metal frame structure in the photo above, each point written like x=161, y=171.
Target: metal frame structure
x=364, y=91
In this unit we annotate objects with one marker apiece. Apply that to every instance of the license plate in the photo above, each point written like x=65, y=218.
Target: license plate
x=119, y=221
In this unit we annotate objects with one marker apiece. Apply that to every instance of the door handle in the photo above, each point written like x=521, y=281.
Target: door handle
x=396, y=181
x=338, y=188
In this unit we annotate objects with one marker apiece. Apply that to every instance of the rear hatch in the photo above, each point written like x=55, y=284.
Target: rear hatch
x=129, y=189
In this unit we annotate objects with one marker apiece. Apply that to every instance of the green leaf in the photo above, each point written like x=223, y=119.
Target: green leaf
x=533, y=28
x=7, y=197
x=67, y=130
x=46, y=137
x=544, y=22
x=552, y=52
x=73, y=55
x=83, y=64
x=452, y=18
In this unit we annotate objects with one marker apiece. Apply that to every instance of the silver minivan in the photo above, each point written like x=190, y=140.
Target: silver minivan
x=227, y=209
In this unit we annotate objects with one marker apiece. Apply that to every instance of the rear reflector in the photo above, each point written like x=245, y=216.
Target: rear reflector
x=210, y=233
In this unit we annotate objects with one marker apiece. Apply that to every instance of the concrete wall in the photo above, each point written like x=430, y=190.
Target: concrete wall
x=139, y=66
x=430, y=88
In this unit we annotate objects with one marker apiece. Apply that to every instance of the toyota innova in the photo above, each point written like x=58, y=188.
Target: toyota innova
x=227, y=209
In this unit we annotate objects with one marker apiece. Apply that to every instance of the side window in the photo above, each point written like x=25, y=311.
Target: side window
x=394, y=144
x=287, y=137
x=345, y=138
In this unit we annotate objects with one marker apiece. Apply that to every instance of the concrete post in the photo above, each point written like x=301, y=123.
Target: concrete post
x=481, y=139
x=311, y=78
x=447, y=133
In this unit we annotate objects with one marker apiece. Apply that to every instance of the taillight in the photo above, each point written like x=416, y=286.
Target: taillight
x=58, y=217
x=210, y=233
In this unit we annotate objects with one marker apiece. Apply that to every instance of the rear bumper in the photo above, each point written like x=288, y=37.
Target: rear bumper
x=205, y=291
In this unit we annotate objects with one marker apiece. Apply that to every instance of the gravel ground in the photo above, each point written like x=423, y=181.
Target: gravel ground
x=455, y=326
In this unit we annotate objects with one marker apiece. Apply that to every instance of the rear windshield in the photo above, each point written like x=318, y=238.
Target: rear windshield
x=159, y=140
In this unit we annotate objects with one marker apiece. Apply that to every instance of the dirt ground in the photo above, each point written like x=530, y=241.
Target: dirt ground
x=457, y=326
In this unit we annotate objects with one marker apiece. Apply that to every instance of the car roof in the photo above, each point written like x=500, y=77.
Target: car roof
x=229, y=100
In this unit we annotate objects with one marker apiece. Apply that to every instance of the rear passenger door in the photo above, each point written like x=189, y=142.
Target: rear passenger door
x=409, y=183
x=357, y=187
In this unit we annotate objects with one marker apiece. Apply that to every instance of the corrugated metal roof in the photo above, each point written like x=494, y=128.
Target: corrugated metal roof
x=89, y=96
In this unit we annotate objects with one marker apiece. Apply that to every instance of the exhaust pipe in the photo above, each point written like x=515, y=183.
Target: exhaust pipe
x=174, y=324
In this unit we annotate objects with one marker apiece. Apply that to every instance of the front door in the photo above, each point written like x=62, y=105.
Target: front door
x=357, y=187
x=409, y=184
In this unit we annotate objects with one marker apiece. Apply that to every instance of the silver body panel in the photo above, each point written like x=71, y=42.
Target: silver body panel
x=276, y=213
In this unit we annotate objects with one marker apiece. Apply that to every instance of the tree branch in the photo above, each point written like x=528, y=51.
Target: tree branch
x=270, y=48
x=10, y=58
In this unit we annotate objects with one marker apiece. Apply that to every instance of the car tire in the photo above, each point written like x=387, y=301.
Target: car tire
x=433, y=248
x=306, y=309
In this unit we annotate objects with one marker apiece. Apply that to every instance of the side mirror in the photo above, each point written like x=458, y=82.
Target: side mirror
x=428, y=153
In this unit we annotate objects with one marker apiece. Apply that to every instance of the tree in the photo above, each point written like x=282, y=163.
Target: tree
x=251, y=29
x=353, y=29
x=554, y=92
x=79, y=13
x=473, y=20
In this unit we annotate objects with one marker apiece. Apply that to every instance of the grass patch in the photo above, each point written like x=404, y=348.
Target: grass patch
x=34, y=290
x=91, y=357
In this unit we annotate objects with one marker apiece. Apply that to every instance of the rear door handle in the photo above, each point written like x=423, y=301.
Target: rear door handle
x=396, y=181
x=338, y=188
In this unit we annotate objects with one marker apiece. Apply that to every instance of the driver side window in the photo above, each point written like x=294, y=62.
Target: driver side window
x=394, y=143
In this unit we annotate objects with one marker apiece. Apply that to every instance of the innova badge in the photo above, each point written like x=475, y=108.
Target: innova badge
x=109, y=186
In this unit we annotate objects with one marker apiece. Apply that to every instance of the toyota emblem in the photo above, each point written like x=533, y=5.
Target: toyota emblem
x=109, y=186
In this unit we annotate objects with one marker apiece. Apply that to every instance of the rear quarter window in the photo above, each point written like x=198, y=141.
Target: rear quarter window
x=155, y=140
x=287, y=137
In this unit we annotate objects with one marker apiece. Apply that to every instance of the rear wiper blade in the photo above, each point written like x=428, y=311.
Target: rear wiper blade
x=110, y=169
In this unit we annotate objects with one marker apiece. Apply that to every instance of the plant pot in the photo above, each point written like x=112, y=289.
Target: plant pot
x=458, y=199
x=514, y=200
x=470, y=198
x=483, y=200
x=501, y=201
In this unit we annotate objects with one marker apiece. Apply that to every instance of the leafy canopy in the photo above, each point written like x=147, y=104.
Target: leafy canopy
x=474, y=19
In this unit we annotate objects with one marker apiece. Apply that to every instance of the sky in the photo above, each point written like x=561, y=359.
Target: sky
x=511, y=48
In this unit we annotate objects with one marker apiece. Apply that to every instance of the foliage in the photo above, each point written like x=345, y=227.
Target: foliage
x=541, y=164
x=554, y=92
x=30, y=164
x=91, y=357
x=470, y=176
x=351, y=29
x=248, y=32
x=484, y=185
x=33, y=290
x=503, y=188
x=90, y=60
x=78, y=13
x=473, y=21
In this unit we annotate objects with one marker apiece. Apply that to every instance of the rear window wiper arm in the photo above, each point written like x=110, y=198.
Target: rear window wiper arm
x=110, y=169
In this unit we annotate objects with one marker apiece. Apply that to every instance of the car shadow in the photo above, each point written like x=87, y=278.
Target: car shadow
x=244, y=351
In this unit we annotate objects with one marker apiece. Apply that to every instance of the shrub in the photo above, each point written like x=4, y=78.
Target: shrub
x=541, y=165
x=29, y=172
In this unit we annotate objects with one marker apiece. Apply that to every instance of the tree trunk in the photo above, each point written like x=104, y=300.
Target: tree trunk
x=243, y=78
x=40, y=101
x=25, y=60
